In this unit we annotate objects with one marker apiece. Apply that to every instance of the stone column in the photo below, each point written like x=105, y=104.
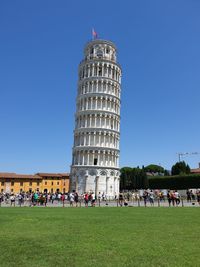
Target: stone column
x=83, y=158
x=90, y=121
x=115, y=186
x=86, y=181
x=96, y=102
x=98, y=158
x=88, y=157
x=93, y=70
x=89, y=139
x=100, y=120
x=76, y=186
x=93, y=157
x=107, y=185
x=96, y=186
x=94, y=138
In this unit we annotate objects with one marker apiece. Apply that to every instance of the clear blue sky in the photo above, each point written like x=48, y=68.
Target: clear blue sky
x=41, y=45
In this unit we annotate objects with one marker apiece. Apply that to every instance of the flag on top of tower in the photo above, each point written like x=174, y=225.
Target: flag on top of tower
x=94, y=34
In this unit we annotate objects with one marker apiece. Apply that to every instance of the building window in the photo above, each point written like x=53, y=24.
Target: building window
x=51, y=183
x=95, y=161
x=21, y=183
x=57, y=183
x=30, y=183
x=64, y=183
x=12, y=183
x=38, y=183
x=11, y=190
x=2, y=183
x=45, y=183
x=30, y=190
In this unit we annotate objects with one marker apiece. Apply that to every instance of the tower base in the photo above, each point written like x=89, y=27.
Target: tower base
x=94, y=179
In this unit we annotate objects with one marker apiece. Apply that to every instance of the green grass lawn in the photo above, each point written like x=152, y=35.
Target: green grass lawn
x=99, y=237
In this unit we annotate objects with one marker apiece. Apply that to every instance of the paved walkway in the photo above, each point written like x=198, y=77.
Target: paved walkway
x=157, y=203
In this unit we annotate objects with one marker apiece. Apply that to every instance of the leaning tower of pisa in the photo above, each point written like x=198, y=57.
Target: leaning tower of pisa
x=95, y=155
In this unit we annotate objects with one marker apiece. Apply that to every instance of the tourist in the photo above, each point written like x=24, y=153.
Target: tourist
x=12, y=200
x=63, y=199
x=188, y=194
x=198, y=196
x=169, y=197
x=53, y=197
x=99, y=198
x=1, y=199
x=145, y=196
x=76, y=198
x=20, y=199
x=173, y=198
x=121, y=198
x=92, y=199
x=151, y=198
x=71, y=199
x=125, y=203
x=177, y=197
x=45, y=199
x=103, y=196
x=133, y=197
x=59, y=197
x=86, y=199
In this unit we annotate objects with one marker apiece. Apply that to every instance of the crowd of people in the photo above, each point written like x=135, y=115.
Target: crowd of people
x=150, y=196
x=43, y=199
x=173, y=198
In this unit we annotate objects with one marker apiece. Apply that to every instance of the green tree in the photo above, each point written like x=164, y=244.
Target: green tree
x=132, y=178
x=154, y=168
x=126, y=178
x=180, y=168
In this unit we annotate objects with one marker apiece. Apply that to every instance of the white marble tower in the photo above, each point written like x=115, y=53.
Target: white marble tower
x=95, y=156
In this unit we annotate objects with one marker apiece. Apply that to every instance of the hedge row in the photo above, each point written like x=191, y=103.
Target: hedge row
x=174, y=182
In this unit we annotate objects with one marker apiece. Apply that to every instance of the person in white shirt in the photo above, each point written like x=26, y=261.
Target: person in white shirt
x=177, y=197
x=93, y=199
x=71, y=199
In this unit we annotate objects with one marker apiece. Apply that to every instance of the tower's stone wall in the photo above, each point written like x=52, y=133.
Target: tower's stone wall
x=95, y=157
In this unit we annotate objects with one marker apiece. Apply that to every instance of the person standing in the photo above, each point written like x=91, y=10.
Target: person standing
x=121, y=198
x=86, y=199
x=99, y=198
x=151, y=198
x=76, y=198
x=177, y=197
x=12, y=200
x=198, y=196
x=45, y=199
x=20, y=199
x=93, y=199
x=63, y=200
x=145, y=195
x=169, y=198
x=71, y=199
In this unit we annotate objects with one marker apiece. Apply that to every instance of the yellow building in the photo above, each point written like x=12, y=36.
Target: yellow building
x=49, y=182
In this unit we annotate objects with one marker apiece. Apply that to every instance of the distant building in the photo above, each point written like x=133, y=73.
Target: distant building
x=49, y=182
x=197, y=171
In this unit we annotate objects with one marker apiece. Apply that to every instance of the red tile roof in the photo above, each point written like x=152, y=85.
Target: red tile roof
x=52, y=174
x=195, y=170
x=13, y=175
